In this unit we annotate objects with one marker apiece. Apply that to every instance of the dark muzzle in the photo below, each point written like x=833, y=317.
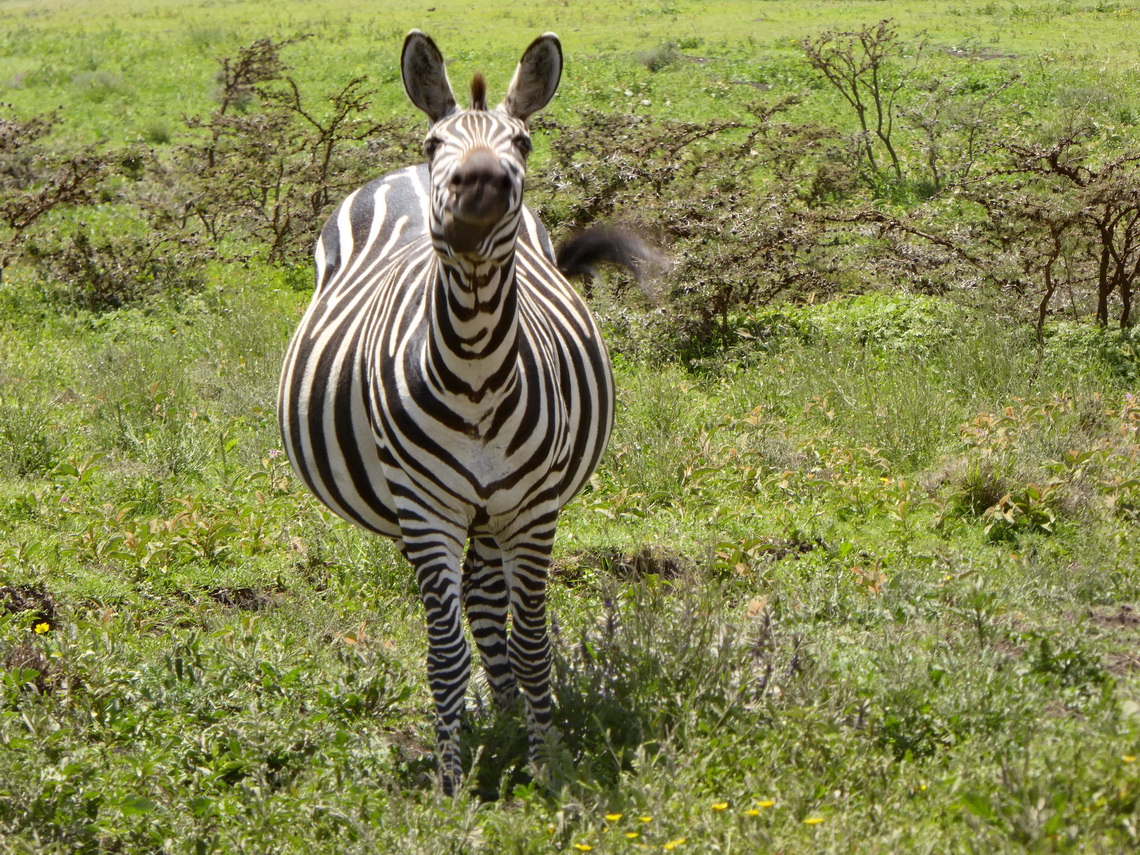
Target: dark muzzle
x=479, y=198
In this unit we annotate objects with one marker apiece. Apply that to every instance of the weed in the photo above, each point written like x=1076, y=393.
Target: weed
x=660, y=57
x=27, y=444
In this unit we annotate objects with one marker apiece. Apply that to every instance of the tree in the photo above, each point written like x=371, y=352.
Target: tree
x=860, y=66
x=35, y=179
x=1063, y=203
x=270, y=164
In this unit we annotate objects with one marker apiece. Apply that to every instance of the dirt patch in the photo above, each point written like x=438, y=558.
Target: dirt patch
x=1006, y=648
x=576, y=568
x=29, y=657
x=1122, y=664
x=408, y=744
x=984, y=53
x=647, y=561
x=1119, y=625
x=1059, y=710
x=28, y=598
x=415, y=758
x=246, y=599
x=779, y=548
x=1122, y=617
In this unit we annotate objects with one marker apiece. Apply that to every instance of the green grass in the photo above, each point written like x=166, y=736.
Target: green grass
x=125, y=66
x=758, y=600
x=867, y=578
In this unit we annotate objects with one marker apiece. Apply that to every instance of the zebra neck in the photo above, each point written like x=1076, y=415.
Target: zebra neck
x=474, y=330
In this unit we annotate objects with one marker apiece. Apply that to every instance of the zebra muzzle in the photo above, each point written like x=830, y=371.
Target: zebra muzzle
x=479, y=198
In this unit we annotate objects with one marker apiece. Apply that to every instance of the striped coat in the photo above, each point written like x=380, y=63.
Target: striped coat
x=376, y=292
x=449, y=389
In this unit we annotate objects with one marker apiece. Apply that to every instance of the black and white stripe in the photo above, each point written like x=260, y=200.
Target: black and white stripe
x=448, y=388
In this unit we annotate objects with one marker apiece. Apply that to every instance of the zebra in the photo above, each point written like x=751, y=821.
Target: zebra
x=449, y=389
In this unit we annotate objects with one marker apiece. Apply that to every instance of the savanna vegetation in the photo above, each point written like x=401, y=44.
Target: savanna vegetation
x=860, y=569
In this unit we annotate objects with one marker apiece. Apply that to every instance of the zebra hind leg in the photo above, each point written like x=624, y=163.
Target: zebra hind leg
x=528, y=648
x=486, y=603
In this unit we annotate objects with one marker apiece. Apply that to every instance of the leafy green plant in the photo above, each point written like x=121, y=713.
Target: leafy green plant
x=1027, y=510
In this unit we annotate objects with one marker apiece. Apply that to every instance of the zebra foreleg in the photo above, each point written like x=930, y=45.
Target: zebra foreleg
x=448, y=658
x=486, y=603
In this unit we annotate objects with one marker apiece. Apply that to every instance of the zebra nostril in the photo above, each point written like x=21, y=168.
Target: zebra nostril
x=480, y=172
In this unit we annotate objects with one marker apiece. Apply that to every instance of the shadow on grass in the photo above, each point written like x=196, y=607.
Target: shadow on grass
x=659, y=667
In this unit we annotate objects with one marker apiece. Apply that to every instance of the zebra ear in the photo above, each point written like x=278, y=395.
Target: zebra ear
x=425, y=78
x=536, y=78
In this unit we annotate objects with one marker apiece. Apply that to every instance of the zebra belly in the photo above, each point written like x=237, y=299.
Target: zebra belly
x=324, y=419
x=475, y=467
x=354, y=449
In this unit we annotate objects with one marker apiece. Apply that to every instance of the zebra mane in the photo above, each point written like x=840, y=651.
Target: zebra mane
x=478, y=92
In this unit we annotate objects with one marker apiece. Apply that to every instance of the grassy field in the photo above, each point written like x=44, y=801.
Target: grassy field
x=866, y=581
x=121, y=70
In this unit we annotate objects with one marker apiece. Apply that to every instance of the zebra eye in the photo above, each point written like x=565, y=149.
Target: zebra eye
x=431, y=146
x=523, y=144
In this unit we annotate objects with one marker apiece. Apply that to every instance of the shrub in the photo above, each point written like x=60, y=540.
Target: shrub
x=660, y=57
x=268, y=164
x=109, y=271
x=36, y=179
x=729, y=199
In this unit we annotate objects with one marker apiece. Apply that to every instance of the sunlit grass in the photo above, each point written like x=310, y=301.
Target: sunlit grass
x=161, y=58
x=872, y=583
x=753, y=605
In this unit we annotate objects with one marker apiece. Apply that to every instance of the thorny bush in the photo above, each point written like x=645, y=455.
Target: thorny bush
x=732, y=200
x=756, y=209
x=270, y=165
x=35, y=179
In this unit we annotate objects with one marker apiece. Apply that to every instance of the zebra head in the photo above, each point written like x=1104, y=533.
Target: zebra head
x=478, y=156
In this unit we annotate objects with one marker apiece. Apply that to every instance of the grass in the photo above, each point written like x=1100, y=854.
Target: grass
x=756, y=606
x=139, y=63
x=867, y=575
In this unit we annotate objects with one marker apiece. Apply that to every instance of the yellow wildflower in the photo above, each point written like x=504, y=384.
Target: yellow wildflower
x=673, y=844
x=752, y=812
x=1127, y=758
x=613, y=817
x=41, y=628
x=646, y=818
x=633, y=834
x=813, y=820
x=719, y=805
x=583, y=847
x=765, y=803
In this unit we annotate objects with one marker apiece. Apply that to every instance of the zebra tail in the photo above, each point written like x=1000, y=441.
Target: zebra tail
x=614, y=245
